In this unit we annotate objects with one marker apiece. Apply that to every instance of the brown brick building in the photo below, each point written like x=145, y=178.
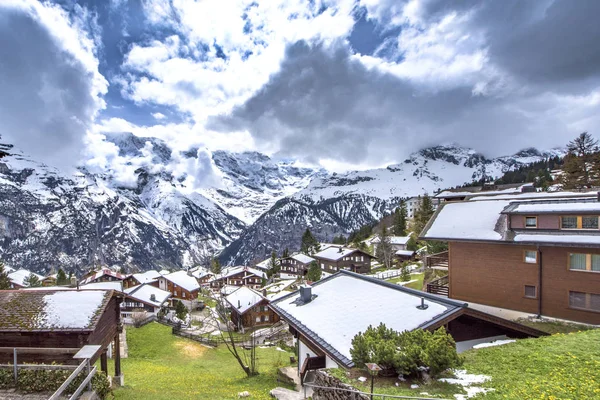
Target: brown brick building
x=539, y=256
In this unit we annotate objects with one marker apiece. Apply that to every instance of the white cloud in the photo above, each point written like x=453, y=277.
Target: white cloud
x=159, y=116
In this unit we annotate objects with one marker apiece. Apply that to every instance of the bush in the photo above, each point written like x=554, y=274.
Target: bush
x=6, y=378
x=405, y=353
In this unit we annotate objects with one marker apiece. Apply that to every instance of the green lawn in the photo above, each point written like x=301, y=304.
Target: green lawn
x=418, y=284
x=163, y=366
x=553, y=327
x=561, y=366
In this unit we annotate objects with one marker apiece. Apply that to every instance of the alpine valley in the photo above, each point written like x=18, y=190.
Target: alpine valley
x=252, y=204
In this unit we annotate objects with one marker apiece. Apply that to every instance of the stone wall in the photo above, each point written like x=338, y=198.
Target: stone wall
x=322, y=378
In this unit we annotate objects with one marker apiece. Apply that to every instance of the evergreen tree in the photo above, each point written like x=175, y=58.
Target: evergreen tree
x=339, y=239
x=215, y=266
x=180, y=310
x=309, y=244
x=32, y=281
x=582, y=165
x=4, y=280
x=273, y=265
x=384, y=251
x=286, y=253
x=400, y=219
x=314, y=272
x=423, y=214
x=61, y=278
x=411, y=244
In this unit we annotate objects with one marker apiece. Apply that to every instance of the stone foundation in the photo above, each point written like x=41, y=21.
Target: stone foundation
x=322, y=378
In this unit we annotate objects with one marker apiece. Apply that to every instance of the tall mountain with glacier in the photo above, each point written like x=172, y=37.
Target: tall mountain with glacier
x=141, y=212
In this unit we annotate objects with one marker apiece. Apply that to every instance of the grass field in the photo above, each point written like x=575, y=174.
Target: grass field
x=163, y=366
x=418, y=284
x=561, y=366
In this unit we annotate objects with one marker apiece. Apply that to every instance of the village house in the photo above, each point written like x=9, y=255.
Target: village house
x=396, y=242
x=145, y=297
x=294, y=266
x=537, y=255
x=102, y=275
x=148, y=277
x=181, y=285
x=203, y=276
x=17, y=278
x=324, y=328
x=414, y=203
x=49, y=280
x=334, y=258
x=250, y=309
x=488, y=189
x=55, y=324
x=238, y=276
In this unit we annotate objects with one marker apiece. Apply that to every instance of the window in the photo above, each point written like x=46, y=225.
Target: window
x=530, y=291
x=183, y=294
x=584, y=262
x=530, y=222
x=266, y=318
x=584, y=301
x=589, y=222
x=531, y=256
x=568, y=222
x=257, y=319
x=322, y=266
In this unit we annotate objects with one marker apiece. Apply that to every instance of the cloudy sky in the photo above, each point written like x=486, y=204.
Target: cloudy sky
x=345, y=84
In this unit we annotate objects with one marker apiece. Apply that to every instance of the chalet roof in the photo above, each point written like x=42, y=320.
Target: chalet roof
x=333, y=317
x=591, y=206
x=182, y=279
x=100, y=273
x=240, y=269
x=509, y=188
x=143, y=293
x=113, y=285
x=200, y=273
x=485, y=220
x=18, y=277
x=243, y=299
x=398, y=240
x=264, y=264
x=51, y=310
x=146, y=277
x=404, y=253
x=337, y=253
x=302, y=258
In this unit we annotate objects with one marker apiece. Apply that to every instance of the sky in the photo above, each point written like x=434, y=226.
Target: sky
x=347, y=84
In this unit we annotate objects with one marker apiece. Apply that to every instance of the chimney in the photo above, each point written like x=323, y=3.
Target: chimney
x=264, y=292
x=73, y=281
x=340, y=250
x=305, y=294
x=598, y=198
x=152, y=297
x=239, y=304
x=423, y=306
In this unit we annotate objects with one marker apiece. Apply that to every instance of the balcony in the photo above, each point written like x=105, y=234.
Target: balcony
x=437, y=261
x=439, y=286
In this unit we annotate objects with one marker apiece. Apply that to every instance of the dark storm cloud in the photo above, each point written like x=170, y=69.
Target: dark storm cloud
x=46, y=103
x=324, y=104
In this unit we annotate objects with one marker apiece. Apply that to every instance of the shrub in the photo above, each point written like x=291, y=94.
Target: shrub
x=407, y=352
x=6, y=378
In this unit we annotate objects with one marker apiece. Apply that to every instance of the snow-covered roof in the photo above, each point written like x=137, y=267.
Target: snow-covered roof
x=555, y=207
x=236, y=270
x=37, y=310
x=476, y=191
x=570, y=239
x=182, y=279
x=303, y=258
x=404, y=253
x=398, y=240
x=200, y=273
x=147, y=277
x=144, y=292
x=244, y=299
x=467, y=220
x=335, y=253
x=264, y=264
x=228, y=289
x=18, y=277
x=537, y=196
x=114, y=285
x=347, y=303
x=164, y=272
x=100, y=273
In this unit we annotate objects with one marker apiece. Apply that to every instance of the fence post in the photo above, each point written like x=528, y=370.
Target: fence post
x=16, y=373
x=88, y=372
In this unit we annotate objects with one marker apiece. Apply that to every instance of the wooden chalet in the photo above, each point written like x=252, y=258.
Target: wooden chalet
x=338, y=258
x=324, y=327
x=238, y=276
x=539, y=256
x=294, y=266
x=148, y=277
x=145, y=297
x=102, y=275
x=47, y=326
x=181, y=285
x=17, y=278
x=250, y=309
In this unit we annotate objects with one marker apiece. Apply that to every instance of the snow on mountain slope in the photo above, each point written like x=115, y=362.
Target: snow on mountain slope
x=337, y=204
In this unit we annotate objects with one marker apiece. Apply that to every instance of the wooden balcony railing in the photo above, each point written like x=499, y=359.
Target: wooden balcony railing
x=439, y=286
x=311, y=363
x=438, y=260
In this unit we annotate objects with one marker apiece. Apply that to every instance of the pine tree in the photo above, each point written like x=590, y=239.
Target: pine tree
x=32, y=281
x=273, y=265
x=309, y=244
x=180, y=310
x=4, y=280
x=384, y=251
x=314, y=272
x=286, y=253
x=581, y=165
x=411, y=244
x=215, y=266
x=423, y=214
x=61, y=278
x=400, y=219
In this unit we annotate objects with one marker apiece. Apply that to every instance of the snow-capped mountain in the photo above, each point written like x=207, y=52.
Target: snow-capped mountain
x=144, y=211
x=340, y=203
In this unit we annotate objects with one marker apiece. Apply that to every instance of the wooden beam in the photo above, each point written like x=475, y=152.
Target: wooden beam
x=39, y=350
x=117, y=356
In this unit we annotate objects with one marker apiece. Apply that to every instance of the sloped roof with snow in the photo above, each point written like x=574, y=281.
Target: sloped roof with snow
x=18, y=277
x=147, y=277
x=236, y=270
x=302, y=258
x=114, y=285
x=549, y=207
x=49, y=310
x=404, y=253
x=144, y=292
x=346, y=303
x=100, y=273
x=336, y=253
x=393, y=239
x=244, y=299
x=182, y=279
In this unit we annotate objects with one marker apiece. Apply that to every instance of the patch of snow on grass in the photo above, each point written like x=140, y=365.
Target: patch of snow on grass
x=466, y=380
x=494, y=343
